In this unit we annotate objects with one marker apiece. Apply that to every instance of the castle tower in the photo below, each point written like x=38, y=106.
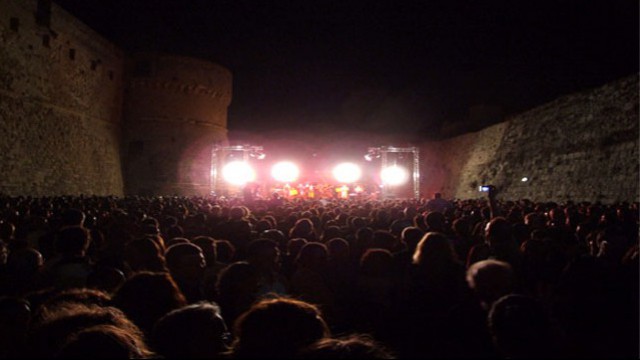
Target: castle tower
x=60, y=104
x=175, y=110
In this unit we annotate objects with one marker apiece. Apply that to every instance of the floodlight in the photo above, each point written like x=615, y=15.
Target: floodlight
x=285, y=171
x=238, y=173
x=347, y=173
x=394, y=175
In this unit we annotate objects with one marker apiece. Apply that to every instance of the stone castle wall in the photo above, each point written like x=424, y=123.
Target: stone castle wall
x=580, y=147
x=175, y=111
x=60, y=104
x=78, y=116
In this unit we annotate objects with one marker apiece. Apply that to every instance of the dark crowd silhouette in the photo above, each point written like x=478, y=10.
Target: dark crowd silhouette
x=207, y=277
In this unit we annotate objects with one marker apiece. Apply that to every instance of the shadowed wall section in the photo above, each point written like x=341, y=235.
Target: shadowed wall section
x=175, y=110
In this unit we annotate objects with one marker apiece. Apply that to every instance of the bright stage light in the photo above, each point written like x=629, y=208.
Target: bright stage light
x=347, y=173
x=394, y=175
x=238, y=173
x=285, y=171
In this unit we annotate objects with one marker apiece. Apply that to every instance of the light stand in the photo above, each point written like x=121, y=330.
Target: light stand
x=383, y=153
x=219, y=156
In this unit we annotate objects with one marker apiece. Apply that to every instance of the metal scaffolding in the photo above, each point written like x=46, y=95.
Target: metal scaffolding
x=383, y=152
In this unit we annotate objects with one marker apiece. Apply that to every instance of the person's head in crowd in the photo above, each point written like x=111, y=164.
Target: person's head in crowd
x=341, y=219
x=338, y=249
x=208, y=246
x=355, y=346
x=207, y=337
x=262, y=226
x=435, y=221
x=145, y=297
x=185, y=262
x=177, y=240
x=105, y=342
x=149, y=227
x=382, y=217
x=72, y=242
x=272, y=221
x=236, y=213
x=246, y=211
x=376, y=263
x=462, y=227
x=498, y=232
x=294, y=246
x=7, y=232
x=277, y=328
x=485, y=213
x=237, y=287
x=150, y=221
x=264, y=255
x=106, y=278
x=491, y=280
x=275, y=235
x=158, y=240
x=54, y=300
x=557, y=217
x=433, y=252
x=384, y=240
x=24, y=264
x=4, y=253
x=534, y=221
x=15, y=314
x=515, y=216
x=329, y=233
x=303, y=228
x=364, y=241
x=397, y=226
x=313, y=256
x=330, y=222
x=168, y=222
x=611, y=243
x=521, y=328
x=411, y=236
x=73, y=217
x=358, y=223
x=225, y=251
x=174, y=231
x=49, y=336
x=144, y=255
x=419, y=221
x=409, y=212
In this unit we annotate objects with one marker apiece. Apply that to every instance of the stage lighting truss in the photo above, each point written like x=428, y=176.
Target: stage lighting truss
x=372, y=153
x=222, y=155
x=383, y=152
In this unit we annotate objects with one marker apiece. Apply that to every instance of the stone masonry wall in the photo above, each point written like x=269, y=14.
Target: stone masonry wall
x=580, y=147
x=175, y=111
x=60, y=104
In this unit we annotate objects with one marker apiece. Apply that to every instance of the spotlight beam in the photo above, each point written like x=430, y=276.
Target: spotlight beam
x=285, y=171
x=346, y=173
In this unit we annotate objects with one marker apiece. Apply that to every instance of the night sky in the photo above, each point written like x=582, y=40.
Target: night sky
x=407, y=68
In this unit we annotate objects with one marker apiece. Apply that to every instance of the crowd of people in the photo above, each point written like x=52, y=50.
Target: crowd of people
x=204, y=277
